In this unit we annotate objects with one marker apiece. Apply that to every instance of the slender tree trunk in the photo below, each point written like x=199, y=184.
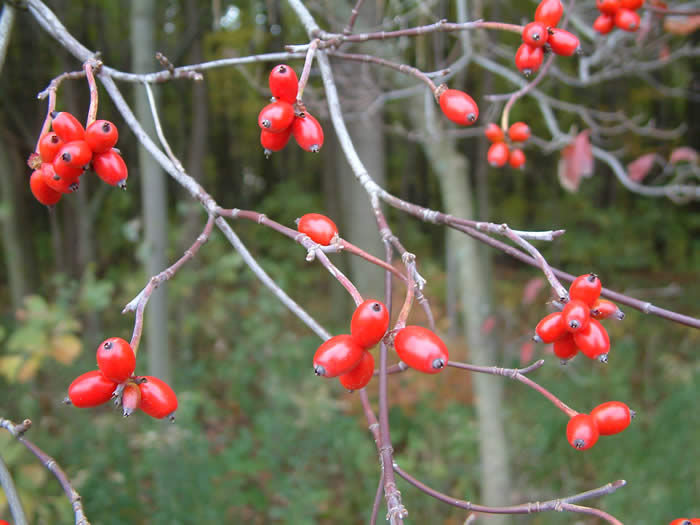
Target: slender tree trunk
x=473, y=293
x=153, y=191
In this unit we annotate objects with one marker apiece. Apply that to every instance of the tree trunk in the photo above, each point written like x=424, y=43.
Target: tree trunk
x=153, y=191
x=473, y=294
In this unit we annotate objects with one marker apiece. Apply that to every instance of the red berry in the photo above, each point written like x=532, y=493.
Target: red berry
x=337, y=356
x=42, y=191
x=307, y=132
x=67, y=126
x=602, y=309
x=157, y=398
x=101, y=136
x=608, y=7
x=604, y=24
x=116, y=359
x=551, y=327
x=276, y=117
x=274, y=141
x=459, y=107
x=369, y=323
x=494, y=132
x=131, y=399
x=563, y=43
x=593, y=341
x=359, y=376
x=76, y=154
x=565, y=347
x=318, y=227
x=519, y=132
x=283, y=83
x=111, y=168
x=49, y=146
x=61, y=177
x=528, y=59
x=586, y=288
x=91, y=389
x=421, y=349
x=549, y=12
x=535, y=34
x=576, y=314
x=497, y=155
x=627, y=20
x=582, y=432
x=516, y=158
x=631, y=4
x=683, y=521
x=612, y=417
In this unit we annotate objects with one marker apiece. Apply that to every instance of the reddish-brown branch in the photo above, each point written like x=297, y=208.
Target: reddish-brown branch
x=89, y=66
x=353, y=17
x=306, y=70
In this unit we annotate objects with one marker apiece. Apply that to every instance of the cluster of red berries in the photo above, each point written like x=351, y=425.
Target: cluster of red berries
x=620, y=13
x=67, y=151
x=279, y=120
x=542, y=32
x=114, y=378
x=348, y=356
x=457, y=106
x=499, y=153
x=576, y=328
x=685, y=521
x=583, y=430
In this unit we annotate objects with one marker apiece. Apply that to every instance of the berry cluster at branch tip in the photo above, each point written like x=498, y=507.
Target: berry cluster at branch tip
x=617, y=13
x=542, y=35
x=68, y=151
x=612, y=417
x=500, y=153
x=114, y=379
x=283, y=118
x=576, y=328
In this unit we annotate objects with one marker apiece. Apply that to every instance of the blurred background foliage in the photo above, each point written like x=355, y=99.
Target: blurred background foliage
x=258, y=438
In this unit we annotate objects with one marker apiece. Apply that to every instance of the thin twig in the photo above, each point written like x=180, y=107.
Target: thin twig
x=306, y=70
x=159, y=130
x=89, y=66
x=13, y=501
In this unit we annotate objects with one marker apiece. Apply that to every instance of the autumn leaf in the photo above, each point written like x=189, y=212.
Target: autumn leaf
x=682, y=25
x=640, y=168
x=683, y=154
x=576, y=161
x=65, y=348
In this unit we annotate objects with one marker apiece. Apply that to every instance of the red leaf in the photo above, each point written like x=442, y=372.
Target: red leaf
x=527, y=350
x=576, y=161
x=638, y=169
x=488, y=325
x=683, y=154
x=532, y=289
x=682, y=25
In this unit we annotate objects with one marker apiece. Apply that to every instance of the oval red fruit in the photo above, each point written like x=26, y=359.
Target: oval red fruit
x=627, y=20
x=336, y=356
x=49, y=146
x=563, y=43
x=318, y=227
x=528, y=59
x=535, y=34
x=582, y=432
x=307, y=132
x=42, y=191
x=494, y=132
x=612, y=417
x=683, y=521
x=369, y=323
x=274, y=141
x=565, y=347
x=283, y=83
x=131, y=399
x=608, y=7
x=157, y=398
x=276, y=117
x=516, y=159
x=576, y=314
x=586, y=288
x=421, y=349
x=604, y=24
x=551, y=327
x=602, y=309
x=631, y=4
x=549, y=12
x=91, y=389
x=359, y=376
x=60, y=176
x=519, y=132
x=101, y=136
x=111, y=168
x=593, y=341
x=67, y=126
x=76, y=154
x=497, y=156
x=459, y=107
x=116, y=359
